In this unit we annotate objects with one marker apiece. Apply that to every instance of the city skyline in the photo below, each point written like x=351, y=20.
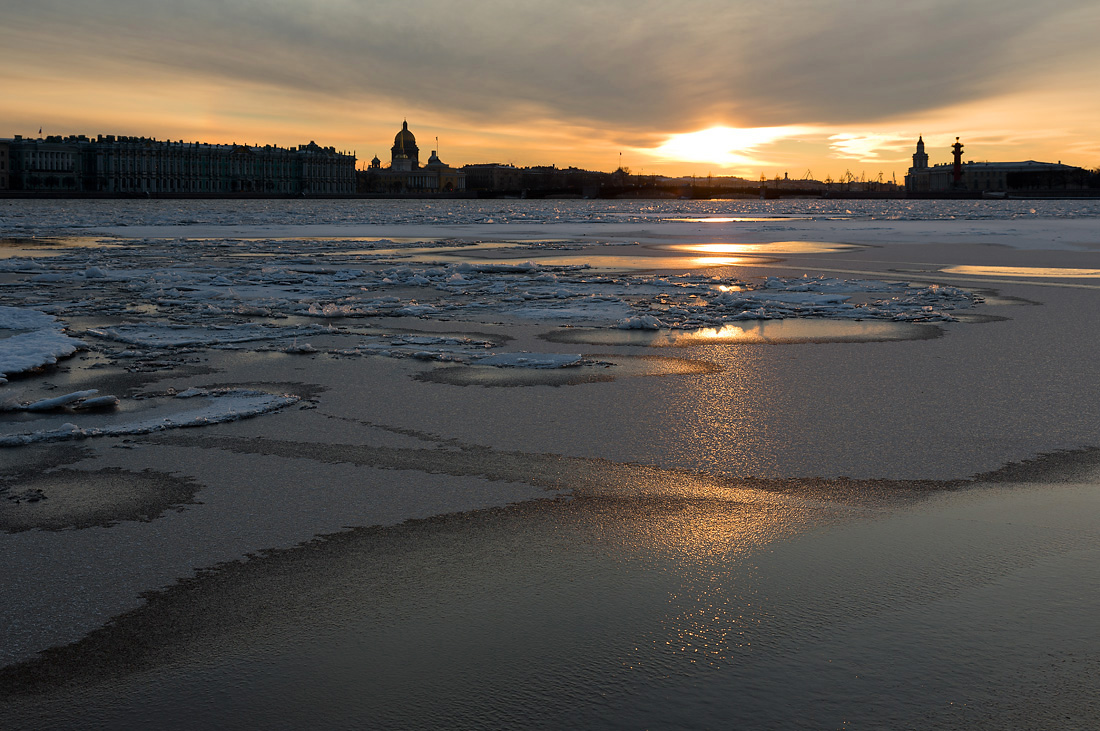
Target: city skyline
x=704, y=88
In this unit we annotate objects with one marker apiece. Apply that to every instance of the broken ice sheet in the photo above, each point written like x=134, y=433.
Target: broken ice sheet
x=76, y=399
x=531, y=360
x=165, y=297
x=162, y=335
x=194, y=407
x=30, y=339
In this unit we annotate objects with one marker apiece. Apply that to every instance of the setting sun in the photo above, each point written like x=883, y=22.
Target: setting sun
x=726, y=146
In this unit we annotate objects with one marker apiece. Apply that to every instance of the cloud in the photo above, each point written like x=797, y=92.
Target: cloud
x=871, y=146
x=631, y=65
x=574, y=81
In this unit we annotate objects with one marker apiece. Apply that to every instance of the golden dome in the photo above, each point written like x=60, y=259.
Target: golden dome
x=404, y=138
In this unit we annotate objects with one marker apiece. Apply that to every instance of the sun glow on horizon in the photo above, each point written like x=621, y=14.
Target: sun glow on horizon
x=726, y=146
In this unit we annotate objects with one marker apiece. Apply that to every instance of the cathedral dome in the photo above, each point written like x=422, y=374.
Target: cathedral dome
x=404, y=150
x=404, y=138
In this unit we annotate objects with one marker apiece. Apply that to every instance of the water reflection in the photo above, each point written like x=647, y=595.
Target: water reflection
x=598, y=368
x=39, y=246
x=637, y=261
x=509, y=253
x=773, y=247
x=1045, y=272
x=753, y=331
x=739, y=219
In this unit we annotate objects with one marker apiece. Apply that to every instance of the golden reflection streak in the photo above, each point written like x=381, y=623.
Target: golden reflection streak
x=796, y=330
x=1005, y=271
x=772, y=247
x=722, y=261
x=621, y=262
x=706, y=532
x=726, y=332
x=703, y=530
x=739, y=219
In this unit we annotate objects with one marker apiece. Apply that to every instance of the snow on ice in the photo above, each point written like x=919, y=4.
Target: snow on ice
x=30, y=339
x=145, y=303
x=194, y=407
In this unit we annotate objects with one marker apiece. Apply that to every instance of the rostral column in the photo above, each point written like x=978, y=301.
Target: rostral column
x=957, y=148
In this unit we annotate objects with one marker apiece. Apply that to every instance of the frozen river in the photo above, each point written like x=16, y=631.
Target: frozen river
x=522, y=464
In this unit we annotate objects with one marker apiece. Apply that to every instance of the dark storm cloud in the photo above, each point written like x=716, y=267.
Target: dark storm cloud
x=627, y=65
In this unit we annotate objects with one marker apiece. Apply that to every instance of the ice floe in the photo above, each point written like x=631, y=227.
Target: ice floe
x=640, y=322
x=194, y=407
x=30, y=339
x=157, y=299
x=76, y=399
x=176, y=336
x=531, y=360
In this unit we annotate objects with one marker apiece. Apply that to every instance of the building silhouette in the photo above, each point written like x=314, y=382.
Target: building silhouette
x=4, y=163
x=146, y=166
x=404, y=155
x=405, y=173
x=990, y=177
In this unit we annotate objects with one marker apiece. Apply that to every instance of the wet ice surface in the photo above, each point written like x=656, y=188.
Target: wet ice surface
x=624, y=466
x=644, y=600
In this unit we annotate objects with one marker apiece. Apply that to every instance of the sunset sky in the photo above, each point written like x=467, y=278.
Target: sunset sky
x=698, y=87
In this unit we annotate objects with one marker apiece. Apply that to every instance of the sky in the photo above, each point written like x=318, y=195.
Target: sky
x=696, y=87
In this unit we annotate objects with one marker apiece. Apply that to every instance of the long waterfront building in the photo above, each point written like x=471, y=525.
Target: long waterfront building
x=990, y=177
x=144, y=166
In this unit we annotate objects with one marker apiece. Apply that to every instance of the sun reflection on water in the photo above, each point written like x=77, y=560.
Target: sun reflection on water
x=771, y=247
x=786, y=331
x=706, y=534
x=1004, y=271
x=739, y=219
x=632, y=261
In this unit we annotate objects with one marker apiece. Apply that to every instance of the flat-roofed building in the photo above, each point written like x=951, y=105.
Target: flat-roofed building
x=992, y=177
x=4, y=165
x=51, y=164
x=493, y=176
x=145, y=166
